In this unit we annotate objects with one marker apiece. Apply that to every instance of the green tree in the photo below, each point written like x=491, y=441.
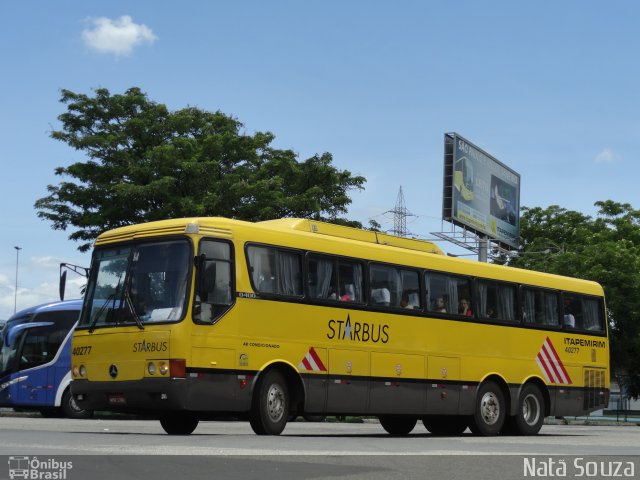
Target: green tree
x=147, y=163
x=605, y=249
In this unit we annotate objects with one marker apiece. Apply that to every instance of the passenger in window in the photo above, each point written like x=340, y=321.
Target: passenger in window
x=465, y=308
x=491, y=312
x=569, y=319
x=440, y=305
x=349, y=294
x=381, y=296
x=404, y=301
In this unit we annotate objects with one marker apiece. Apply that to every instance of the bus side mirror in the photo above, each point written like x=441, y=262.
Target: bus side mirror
x=63, y=284
x=206, y=277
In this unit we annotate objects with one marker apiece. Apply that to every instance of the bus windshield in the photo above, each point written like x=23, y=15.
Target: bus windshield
x=7, y=357
x=8, y=353
x=138, y=284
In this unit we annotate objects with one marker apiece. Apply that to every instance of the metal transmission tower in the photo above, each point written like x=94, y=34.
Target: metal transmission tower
x=400, y=214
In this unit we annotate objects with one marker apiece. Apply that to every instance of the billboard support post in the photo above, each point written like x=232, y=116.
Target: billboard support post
x=483, y=249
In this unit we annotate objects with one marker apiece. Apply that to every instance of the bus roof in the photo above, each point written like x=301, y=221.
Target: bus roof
x=224, y=226
x=398, y=250
x=51, y=306
x=341, y=231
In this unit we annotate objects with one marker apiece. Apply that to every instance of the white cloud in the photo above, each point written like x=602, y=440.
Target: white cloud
x=45, y=262
x=606, y=156
x=38, y=283
x=118, y=37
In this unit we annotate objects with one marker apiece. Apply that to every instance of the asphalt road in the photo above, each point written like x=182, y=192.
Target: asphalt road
x=140, y=449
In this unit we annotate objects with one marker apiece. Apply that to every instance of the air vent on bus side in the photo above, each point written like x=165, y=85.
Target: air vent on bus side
x=595, y=394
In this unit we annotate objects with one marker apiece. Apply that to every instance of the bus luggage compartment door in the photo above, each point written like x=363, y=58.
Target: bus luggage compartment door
x=398, y=383
x=443, y=388
x=348, y=389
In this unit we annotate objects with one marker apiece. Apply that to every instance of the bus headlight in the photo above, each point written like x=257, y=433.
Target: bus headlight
x=75, y=371
x=164, y=368
x=83, y=371
x=151, y=368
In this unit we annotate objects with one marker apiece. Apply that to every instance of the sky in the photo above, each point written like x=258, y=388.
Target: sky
x=549, y=88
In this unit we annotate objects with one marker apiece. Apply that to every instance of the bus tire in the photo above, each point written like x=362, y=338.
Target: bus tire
x=446, y=425
x=530, y=416
x=270, y=408
x=70, y=408
x=490, y=411
x=397, y=425
x=179, y=423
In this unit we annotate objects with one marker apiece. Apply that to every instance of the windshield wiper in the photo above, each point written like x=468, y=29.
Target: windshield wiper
x=92, y=326
x=127, y=291
x=132, y=310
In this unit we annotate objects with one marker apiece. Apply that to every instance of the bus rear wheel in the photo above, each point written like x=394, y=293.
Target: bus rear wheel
x=445, y=424
x=270, y=409
x=396, y=425
x=179, y=423
x=530, y=416
x=490, y=411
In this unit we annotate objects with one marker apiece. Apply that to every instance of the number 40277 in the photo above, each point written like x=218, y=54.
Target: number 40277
x=78, y=351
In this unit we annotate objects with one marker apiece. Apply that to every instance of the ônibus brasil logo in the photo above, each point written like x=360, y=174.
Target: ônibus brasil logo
x=37, y=469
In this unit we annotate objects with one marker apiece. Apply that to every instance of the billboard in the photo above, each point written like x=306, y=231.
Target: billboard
x=480, y=193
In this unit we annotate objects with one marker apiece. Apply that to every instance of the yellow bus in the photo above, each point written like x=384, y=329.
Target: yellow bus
x=190, y=319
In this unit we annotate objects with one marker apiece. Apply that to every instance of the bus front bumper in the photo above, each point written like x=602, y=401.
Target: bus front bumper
x=218, y=393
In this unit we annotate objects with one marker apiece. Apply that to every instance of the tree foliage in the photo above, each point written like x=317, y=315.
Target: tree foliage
x=147, y=163
x=605, y=249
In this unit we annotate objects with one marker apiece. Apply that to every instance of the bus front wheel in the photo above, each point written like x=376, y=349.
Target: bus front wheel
x=490, y=412
x=179, y=423
x=270, y=409
x=70, y=409
x=396, y=425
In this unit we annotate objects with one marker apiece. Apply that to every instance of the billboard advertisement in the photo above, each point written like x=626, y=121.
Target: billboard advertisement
x=480, y=193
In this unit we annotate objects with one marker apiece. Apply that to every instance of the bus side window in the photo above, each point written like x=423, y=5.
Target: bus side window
x=572, y=311
x=446, y=293
x=321, y=281
x=582, y=313
x=350, y=281
x=593, y=317
x=438, y=298
x=539, y=307
x=39, y=347
x=381, y=284
x=496, y=300
x=275, y=271
x=410, y=287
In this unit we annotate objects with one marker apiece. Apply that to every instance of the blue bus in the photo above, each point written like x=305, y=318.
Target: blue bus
x=35, y=360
